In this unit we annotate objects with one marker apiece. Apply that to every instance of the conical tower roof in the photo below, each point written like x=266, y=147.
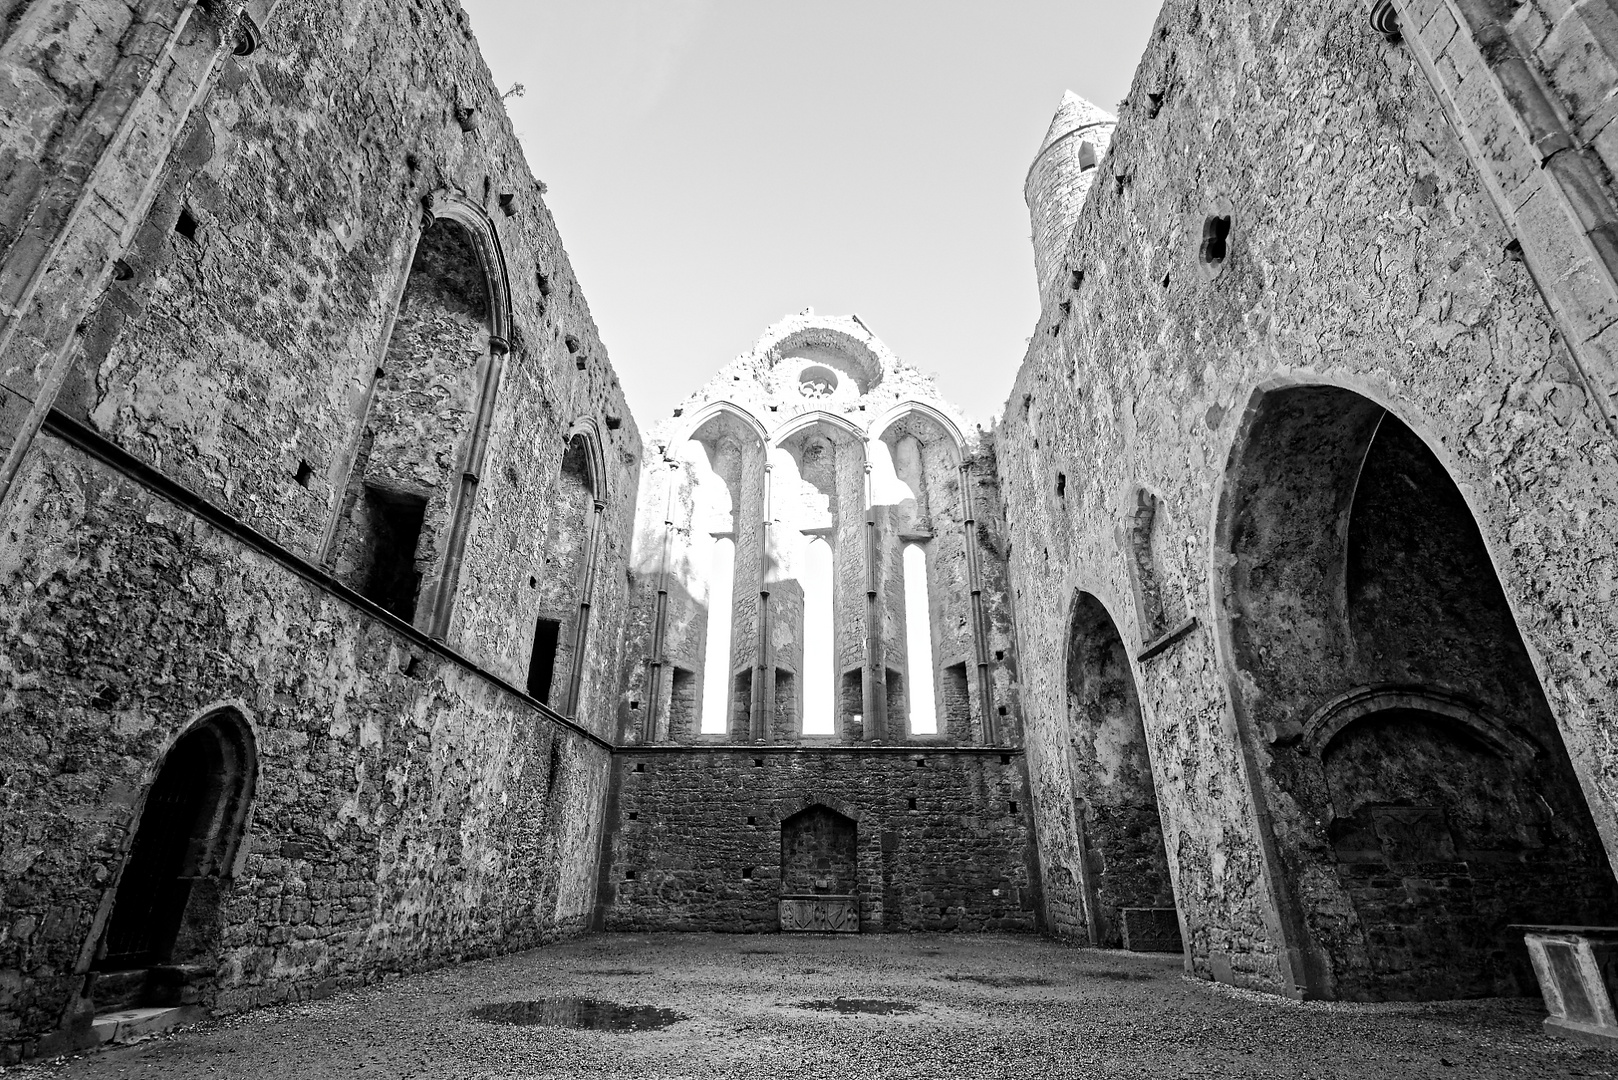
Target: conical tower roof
x=1074, y=112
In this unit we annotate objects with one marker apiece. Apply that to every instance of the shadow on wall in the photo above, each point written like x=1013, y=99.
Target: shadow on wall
x=1383, y=672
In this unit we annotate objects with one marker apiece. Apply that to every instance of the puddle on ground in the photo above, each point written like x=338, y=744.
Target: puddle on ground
x=610, y=971
x=868, y=1006
x=1110, y=973
x=759, y=952
x=1002, y=982
x=577, y=1012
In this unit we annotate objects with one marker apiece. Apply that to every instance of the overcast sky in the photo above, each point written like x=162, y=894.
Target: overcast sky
x=716, y=164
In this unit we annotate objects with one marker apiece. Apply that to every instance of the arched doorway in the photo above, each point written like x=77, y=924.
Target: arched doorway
x=1421, y=799
x=1129, y=898
x=165, y=912
x=819, y=871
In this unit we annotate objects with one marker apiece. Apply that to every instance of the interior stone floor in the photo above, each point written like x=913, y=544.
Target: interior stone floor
x=978, y=1006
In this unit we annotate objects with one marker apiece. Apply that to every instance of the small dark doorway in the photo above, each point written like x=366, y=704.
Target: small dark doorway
x=166, y=910
x=819, y=871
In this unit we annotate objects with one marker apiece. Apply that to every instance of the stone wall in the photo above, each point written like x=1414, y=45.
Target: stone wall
x=250, y=345
x=222, y=332
x=942, y=836
x=1364, y=253
x=409, y=811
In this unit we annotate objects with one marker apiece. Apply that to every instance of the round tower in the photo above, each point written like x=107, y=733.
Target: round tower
x=1060, y=177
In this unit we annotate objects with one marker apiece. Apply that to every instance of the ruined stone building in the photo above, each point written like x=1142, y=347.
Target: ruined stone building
x=350, y=626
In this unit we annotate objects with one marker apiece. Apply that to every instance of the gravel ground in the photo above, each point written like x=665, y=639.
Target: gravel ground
x=984, y=1006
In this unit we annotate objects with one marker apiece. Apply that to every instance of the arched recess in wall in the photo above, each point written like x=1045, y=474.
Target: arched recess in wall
x=166, y=908
x=917, y=457
x=565, y=581
x=1353, y=562
x=1161, y=606
x=818, y=511
x=400, y=529
x=1124, y=872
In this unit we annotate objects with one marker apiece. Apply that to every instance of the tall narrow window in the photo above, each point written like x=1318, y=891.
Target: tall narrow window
x=716, y=662
x=542, y=659
x=392, y=578
x=819, y=653
x=919, y=643
x=393, y=542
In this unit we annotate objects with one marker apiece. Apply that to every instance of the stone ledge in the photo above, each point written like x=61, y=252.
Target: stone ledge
x=1165, y=639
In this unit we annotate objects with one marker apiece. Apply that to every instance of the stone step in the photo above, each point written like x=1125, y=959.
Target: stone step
x=126, y=1025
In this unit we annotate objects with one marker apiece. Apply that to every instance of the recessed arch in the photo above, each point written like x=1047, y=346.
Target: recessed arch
x=491, y=256
x=175, y=877
x=841, y=342
x=951, y=431
x=584, y=439
x=1397, y=727
x=744, y=416
x=1346, y=709
x=840, y=426
x=1122, y=859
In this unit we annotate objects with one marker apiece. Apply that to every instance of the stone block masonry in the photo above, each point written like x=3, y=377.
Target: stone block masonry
x=409, y=811
x=1319, y=382
x=941, y=837
x=282, y=274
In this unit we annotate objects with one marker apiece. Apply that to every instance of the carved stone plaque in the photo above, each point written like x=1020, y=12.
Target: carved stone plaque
x=820, y=914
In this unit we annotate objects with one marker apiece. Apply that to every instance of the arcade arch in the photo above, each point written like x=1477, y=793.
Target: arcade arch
x=1372, y=642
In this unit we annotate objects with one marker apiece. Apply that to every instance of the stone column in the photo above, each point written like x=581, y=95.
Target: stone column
x=980, y=626
x=764, y=674
x=581, y=626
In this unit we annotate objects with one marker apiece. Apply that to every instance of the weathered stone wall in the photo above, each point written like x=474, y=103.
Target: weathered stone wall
x=235, y=353
x=942, y=836
x=409, y=811
x=411, y=806
x=1365, y=253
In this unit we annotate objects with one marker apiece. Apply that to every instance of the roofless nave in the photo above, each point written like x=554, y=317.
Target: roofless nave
x=352, y=627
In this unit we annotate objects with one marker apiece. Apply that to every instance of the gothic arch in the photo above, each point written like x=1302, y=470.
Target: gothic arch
x=165, y=906
x=809, y=802
x=819, y=418
x=951, y=430
x=726, y=408
x=1128, y=891
x=1337, y=715
x=491, y=256
x=587, y=433
x=1367, y=643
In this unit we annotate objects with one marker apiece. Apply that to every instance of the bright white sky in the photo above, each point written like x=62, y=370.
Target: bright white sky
x=716, y=164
